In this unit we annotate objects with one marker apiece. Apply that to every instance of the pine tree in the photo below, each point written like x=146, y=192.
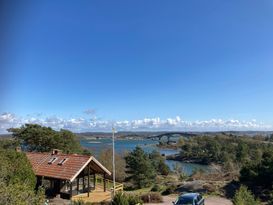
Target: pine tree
x=142, y=172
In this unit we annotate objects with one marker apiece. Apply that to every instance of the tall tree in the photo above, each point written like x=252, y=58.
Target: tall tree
x=159, y=163
x=106, y=158
x=142, y=172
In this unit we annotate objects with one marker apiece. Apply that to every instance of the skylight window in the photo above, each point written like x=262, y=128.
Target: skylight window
x=62, y=161
x=52, y=160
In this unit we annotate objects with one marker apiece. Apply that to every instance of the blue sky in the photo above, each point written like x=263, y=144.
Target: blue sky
x=131, y=60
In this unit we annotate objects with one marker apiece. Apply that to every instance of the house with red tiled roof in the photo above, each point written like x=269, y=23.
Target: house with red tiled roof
x=66, y=174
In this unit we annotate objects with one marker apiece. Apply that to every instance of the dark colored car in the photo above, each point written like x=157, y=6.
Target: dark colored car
x=190, y=199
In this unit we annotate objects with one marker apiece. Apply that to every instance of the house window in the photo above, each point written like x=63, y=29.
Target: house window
x=62, y=161
x=52, y=160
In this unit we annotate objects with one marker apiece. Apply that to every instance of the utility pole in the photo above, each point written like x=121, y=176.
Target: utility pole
x=114, y=168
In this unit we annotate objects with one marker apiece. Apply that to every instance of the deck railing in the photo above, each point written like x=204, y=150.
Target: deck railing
x=109, y=184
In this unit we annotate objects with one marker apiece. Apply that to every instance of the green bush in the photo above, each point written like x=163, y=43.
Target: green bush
x=123, y=199
x=120, y=199
x=244, y=197
x=81, y=202
x=155, y=188
x=133, y=200
x=169, y=190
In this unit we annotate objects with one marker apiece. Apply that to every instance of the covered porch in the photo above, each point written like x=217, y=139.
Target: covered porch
x=84, y=184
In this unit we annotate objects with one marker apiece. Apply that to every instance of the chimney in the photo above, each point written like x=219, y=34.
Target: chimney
x=56, y=151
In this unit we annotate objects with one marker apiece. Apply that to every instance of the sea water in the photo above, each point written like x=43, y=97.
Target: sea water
x=126, y=145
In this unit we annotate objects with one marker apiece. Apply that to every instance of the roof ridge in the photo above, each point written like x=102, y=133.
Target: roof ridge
x=60, y=154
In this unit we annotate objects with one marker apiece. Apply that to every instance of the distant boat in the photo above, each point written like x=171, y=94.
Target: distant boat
x=94, y=142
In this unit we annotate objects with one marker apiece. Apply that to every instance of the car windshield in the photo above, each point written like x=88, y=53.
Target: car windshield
x=184, y=201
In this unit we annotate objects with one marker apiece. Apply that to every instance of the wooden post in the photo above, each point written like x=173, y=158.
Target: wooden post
x=38, y=182
x=71, y=190
x=94, y=180
x=77, y=185
x=83, y=184
x=42, y=182
x=88, y=182
x=104, y=182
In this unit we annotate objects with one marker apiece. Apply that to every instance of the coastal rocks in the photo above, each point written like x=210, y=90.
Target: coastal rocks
x=199, y=186
x=177, y=157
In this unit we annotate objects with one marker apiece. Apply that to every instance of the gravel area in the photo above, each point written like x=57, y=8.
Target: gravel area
x=212, y=200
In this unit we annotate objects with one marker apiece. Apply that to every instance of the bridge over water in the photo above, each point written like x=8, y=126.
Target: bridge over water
x=171, y=135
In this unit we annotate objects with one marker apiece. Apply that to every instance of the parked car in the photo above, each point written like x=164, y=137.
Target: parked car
x=190, y=199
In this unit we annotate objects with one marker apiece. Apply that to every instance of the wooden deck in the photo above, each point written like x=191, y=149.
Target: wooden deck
x=97, y=195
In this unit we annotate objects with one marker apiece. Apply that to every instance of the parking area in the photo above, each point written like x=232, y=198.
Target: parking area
x=211, y=200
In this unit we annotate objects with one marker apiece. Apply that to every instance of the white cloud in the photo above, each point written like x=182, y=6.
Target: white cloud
x=81, y=124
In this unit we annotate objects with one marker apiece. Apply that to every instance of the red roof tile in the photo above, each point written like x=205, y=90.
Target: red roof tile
x=73, y=165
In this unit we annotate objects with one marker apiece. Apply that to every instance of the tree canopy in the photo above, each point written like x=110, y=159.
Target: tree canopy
x=158, y=163
x=35, y=137
x=259, y=174
x=17, y=180
x=223, y=150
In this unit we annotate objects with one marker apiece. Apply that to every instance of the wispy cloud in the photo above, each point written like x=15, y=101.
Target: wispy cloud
x=81, y=124
x=89, y=111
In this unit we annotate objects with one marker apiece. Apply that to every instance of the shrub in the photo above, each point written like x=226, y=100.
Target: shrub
x=133, y=200
x=244, y=197
x=120, y=199
x=80, y=202
x=123, y=199
x=182, y=176
x=169, y=190
x=152, y=198
x=155, y=188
